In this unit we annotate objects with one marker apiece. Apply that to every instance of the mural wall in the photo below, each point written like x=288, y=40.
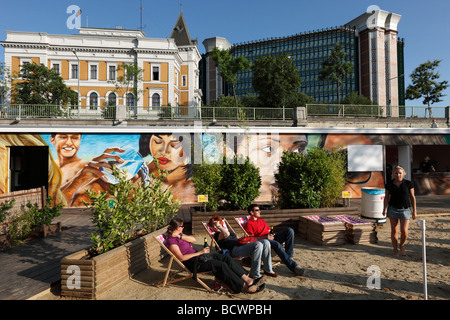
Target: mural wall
x=80, y=162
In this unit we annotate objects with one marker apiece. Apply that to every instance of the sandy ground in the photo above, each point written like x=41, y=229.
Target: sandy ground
x=333, y=272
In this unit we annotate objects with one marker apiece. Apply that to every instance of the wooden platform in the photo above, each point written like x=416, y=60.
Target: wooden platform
x=32, y=267
x=322, y=230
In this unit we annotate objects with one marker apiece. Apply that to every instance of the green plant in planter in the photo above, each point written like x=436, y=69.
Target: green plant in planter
x=207, y=178
x=237, y=183
x=240, y=183
x=4, y=208
x=31, y=216
x=45, y=215
x=129, y=206
x=310, y=181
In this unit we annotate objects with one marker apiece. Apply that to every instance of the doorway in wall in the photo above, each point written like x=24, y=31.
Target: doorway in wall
x=28, y=168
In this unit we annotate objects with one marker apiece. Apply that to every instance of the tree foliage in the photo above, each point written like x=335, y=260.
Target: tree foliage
x=424, y=84
x=335, y=68
x=40, y=85
x=229, y=66
x=276, y=80
x=129, y=75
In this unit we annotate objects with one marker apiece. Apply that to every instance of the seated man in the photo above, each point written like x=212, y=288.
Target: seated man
x=258, y=227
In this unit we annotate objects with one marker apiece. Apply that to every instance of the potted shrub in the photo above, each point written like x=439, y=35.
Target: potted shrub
x=125, y=220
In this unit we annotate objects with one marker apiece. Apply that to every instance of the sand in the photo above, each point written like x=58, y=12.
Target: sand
x=333, y=272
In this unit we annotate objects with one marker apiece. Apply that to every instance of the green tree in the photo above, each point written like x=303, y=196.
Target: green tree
x=5, y=82
x=229, y=66
x=424, y=84
x=40, y=85
x=129, y=76
x=276, y=80
x=335, y=68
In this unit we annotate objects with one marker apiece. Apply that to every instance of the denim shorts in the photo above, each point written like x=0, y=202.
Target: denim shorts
x=399, y=213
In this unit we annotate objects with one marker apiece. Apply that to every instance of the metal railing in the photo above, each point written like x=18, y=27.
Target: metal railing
x=20, y=111
x=346, y=110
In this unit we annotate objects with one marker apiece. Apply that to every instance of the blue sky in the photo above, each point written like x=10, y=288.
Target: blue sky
x=424, y=24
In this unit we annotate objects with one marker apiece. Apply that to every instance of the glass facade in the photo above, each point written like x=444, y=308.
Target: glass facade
x=307, y=51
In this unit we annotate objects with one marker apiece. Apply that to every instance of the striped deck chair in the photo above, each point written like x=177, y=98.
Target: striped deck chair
x=161, y=240
x=241, y=222
x=210, y=231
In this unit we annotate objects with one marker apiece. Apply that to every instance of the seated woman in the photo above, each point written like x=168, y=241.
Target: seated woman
x=223, y=266
x=255, y=250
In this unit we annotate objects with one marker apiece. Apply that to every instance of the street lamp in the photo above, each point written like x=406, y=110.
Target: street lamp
x=78, y=76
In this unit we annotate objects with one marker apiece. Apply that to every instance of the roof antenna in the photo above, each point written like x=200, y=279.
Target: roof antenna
x=181, y=6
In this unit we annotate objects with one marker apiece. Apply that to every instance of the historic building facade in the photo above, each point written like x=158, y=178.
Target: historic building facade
x=370, y=42
x=92, y=59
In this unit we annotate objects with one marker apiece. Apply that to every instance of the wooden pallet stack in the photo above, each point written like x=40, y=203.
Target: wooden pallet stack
x=358, y=231
x=322, y=230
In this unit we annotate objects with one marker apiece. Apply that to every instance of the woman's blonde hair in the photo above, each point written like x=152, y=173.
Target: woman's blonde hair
x=397, y=167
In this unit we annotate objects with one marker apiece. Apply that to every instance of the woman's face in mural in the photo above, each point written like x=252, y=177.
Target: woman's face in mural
x=66, y=145
x=168, y=150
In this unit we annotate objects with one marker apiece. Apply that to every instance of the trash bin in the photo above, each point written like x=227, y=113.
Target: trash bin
x=372, y=202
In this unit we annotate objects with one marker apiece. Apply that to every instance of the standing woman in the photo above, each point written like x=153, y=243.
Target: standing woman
x=399, y=204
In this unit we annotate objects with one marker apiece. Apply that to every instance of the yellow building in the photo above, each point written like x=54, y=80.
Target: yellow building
x=92, y=59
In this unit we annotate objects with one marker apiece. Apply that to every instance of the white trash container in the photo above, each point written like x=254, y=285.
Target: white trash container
x=372, y=202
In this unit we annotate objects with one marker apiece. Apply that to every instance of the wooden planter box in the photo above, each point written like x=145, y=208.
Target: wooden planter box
x=87, y=278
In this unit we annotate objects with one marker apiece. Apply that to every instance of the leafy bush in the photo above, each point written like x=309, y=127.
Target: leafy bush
x=30, y=217
x=4, y=208
x=310, y=181
x=236, y=183
x=207, y=180
x=240, y=183
x=128, y=207
x=45, y=215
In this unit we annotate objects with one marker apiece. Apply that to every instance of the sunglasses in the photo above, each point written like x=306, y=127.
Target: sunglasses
x=257, y=210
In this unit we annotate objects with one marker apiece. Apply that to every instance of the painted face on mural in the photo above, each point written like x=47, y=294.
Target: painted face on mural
x=168, y=150
x=66, y=144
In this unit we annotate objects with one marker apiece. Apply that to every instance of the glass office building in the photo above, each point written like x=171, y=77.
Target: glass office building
x=307, y=51
x=370, y=42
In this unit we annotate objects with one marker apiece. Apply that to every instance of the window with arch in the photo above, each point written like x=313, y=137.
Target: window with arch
x=130, y=99
x=112, y=99
x=93, y=100
x=156, y=100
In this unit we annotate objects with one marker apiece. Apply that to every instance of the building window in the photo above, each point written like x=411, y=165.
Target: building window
x=94, y=72
x=93, y=100
x=156, y=73
x=130, y=99
x=184, y=81
x=156, y=100
x=24, y=64
x=74, y=71
x=112, y=99
x=112, y=72
x=56, y=68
